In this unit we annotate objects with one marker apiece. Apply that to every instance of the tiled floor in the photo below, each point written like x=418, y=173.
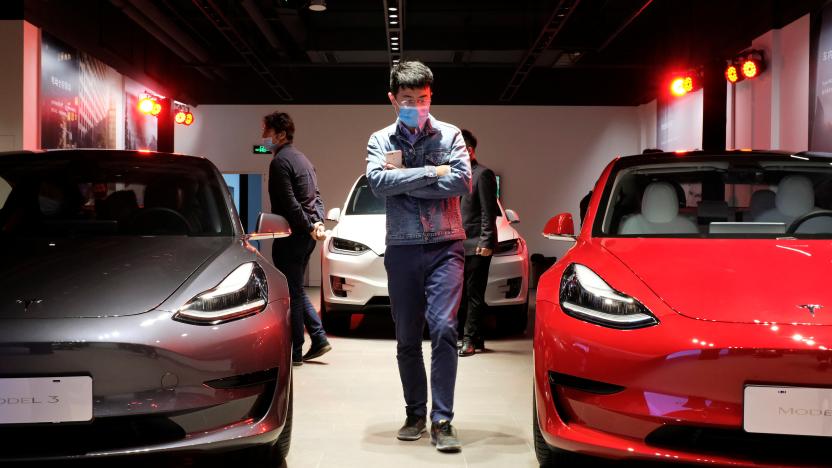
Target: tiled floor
x=349, y=406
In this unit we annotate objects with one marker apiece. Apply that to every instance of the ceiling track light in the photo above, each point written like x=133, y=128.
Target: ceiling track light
x=394, y=25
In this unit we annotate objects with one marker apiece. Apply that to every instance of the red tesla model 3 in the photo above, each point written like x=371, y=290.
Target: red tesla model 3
x=691, y=321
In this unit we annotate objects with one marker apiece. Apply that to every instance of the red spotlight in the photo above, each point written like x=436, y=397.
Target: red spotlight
x=750, y=68
x=731, y=74
x=180, y=117
x=146, y=105
x=687, y=84
x=157, y=109
x=189, y=118
x=677, y=87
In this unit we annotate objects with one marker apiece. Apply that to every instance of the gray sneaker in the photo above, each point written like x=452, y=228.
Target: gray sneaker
x=444, y=437
x=414, y=427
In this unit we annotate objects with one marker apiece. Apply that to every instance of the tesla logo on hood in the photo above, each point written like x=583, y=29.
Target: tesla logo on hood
x=28, y=302
x=811, y=308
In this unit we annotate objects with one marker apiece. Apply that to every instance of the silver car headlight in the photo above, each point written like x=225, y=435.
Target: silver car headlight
x=345, y=246
x=242, y=293
x=585, y=296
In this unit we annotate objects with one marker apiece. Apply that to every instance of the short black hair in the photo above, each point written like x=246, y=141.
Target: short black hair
x=280, y=122
x=470, y=139
x=411, y=74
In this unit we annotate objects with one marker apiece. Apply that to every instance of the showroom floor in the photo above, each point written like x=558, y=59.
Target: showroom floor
x=349, y=406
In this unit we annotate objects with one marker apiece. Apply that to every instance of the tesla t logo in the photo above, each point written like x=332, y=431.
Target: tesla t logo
x=811, y=308
x=28, y=302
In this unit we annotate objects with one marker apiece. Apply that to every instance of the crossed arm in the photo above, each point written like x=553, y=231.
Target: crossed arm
x=420, y=182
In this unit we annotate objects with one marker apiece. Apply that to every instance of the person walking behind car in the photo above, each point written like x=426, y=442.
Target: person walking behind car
x=479, y=216
x=293, y=191
x=421, y=167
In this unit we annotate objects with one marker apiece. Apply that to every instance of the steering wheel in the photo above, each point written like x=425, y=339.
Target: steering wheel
x=158, y=217
x=802, y=219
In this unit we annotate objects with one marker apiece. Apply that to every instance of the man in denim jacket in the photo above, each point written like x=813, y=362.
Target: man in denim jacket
x=421, y=166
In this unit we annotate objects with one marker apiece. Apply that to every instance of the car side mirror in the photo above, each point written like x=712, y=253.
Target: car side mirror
x=333, y=214
x=271, y=226
x=560, y=227
x=512, y=216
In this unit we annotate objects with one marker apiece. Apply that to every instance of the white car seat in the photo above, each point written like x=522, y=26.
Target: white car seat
x=796, y=197
x=659, y=213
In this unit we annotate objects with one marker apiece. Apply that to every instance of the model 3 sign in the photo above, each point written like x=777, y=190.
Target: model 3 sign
x=45, y=400
x=788, y=410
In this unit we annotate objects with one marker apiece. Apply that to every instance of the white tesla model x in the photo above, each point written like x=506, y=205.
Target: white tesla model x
x=353, y=278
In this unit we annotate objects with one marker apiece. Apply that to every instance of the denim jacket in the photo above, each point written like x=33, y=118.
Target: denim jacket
x=421, y=207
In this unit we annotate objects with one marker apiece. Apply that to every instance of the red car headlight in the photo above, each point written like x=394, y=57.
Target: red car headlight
x=585, y=296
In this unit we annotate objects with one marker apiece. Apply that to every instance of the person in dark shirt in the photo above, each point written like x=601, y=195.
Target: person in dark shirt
x=293, y=192
x=479, y=217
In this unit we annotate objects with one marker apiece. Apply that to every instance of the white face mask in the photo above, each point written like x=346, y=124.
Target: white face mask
x=49, y=206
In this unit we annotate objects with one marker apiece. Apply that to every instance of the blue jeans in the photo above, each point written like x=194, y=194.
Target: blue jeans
x=425, y=283
x=291, y=257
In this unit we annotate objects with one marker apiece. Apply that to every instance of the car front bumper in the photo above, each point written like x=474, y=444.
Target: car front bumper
x=179, y=387
x=366, y=280
x=673, y=391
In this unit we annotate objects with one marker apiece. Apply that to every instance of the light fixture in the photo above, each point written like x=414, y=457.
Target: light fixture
x=150, y=104
x=145, y=105
x=183, y=114
x=746, y=65
x=684, y=83
x=317, y=5
x=731, y=74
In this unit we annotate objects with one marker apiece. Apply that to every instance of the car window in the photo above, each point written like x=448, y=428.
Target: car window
x=87, y=197
x=363, y=201
x=721, y=199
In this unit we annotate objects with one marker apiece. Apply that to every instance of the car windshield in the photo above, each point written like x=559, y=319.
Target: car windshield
x=363, y=201
x=79, y=195
x=732, y=196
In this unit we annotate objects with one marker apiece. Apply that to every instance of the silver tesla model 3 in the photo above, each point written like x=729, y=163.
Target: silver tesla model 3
x=135, y=314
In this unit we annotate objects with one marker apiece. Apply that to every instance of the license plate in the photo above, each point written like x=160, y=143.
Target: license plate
x=45, y=400
x=788, y=410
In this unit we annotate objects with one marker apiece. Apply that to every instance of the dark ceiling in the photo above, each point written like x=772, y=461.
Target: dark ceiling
x=522, y=52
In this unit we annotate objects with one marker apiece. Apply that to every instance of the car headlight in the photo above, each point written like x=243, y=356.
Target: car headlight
x=585, y=296
x=509, y=247
x=347, y=246
x=242, y=293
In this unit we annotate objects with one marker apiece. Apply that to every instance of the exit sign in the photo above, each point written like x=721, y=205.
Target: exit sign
x=260, y=149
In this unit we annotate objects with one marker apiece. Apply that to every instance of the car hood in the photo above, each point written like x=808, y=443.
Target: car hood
x=97, y=277
x=743, y=280
x=369, y=230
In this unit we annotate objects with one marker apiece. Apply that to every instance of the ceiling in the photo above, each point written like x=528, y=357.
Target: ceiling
x=522, y=52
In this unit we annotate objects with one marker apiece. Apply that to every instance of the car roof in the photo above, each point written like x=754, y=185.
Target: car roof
x=738, y=155
x=94, y=153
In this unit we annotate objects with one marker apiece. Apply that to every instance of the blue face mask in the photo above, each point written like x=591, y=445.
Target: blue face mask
x=267, y=142
x=414, y=117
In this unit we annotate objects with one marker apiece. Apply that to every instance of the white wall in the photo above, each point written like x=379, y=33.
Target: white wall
x=772, y=110
x=548, y=157
x=680, y=122
x=19, y=84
